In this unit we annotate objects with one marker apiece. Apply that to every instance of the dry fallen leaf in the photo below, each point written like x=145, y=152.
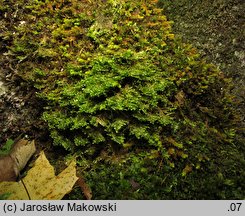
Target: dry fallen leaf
x=12, y=163
x=85, y=188
x=16, y=189
x=41, y=183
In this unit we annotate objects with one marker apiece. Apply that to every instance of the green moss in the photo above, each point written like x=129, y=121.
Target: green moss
x=5, y=149
x=131, y=101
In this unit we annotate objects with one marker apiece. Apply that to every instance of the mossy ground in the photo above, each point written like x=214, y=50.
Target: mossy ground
x=190, y=138
x=217, y=30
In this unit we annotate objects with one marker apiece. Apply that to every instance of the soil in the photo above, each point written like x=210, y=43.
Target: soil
x=20, y=110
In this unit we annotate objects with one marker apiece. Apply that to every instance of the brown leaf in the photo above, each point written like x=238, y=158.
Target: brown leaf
x=85, y=188
x=16, y=160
